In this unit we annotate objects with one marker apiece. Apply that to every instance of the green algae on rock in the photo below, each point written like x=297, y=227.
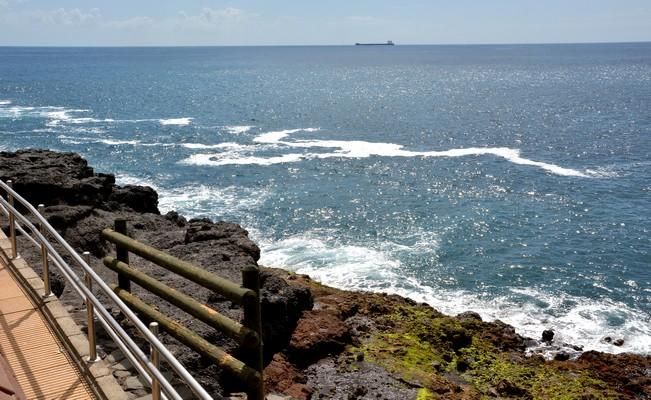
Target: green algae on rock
x=461, y=357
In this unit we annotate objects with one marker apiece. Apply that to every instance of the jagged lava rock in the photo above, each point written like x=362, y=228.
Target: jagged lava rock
x=282, y=306
x=80, y=204
x=319, y=341
x=318, y=334
x=283, y=377
x=52, y=178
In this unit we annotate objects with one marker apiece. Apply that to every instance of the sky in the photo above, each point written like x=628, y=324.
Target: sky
x=307, y=22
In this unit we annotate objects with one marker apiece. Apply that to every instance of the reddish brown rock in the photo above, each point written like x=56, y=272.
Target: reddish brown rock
x=503, y=336
x=307, y=349
x=280, y=376
x=629, y=373
x=317, y=335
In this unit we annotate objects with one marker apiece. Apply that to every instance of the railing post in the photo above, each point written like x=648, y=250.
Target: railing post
x=12, y=222
x=154, y=356
x=90, y=315
x=46, y=264
x=253, y=321
x=122, y=254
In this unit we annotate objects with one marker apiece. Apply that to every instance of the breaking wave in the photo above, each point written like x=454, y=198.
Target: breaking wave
x=361, y=149
x=176, y=121
x=108, y=141
x=238, y=129
x=575, y=320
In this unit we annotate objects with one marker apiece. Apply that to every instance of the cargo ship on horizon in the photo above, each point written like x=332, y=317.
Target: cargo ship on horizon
x=387, y=43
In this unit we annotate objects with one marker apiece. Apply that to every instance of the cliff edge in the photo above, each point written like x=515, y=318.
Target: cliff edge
x=320, y=342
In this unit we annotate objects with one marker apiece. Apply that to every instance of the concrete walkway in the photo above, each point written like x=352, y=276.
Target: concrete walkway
x=36, y=357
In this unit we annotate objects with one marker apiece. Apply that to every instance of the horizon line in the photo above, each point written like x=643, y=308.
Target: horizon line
x=314, y=45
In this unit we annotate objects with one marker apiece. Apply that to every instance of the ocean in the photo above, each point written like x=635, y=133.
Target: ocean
x=512, y=180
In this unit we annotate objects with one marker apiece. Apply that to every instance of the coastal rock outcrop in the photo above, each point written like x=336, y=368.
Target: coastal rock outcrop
x=320, y=342
x=547, y=335
x=52, y=178
x=80, y=203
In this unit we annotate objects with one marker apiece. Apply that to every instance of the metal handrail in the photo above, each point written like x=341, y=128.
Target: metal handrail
x=142, y=363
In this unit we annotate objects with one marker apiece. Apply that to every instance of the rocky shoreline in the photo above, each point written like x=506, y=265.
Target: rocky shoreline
x=320, y=342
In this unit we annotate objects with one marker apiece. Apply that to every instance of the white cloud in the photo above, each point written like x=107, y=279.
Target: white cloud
x=210, y=16
x=7, y=3
x=134, y=23
x=62, y=16
x=92, y=26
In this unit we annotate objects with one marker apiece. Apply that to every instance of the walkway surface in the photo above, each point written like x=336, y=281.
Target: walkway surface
x=41, y=366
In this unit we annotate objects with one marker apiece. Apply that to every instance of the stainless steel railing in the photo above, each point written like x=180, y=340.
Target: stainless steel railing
x=146, y=367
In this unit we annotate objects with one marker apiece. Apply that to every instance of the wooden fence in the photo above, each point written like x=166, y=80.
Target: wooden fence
x=248, y=334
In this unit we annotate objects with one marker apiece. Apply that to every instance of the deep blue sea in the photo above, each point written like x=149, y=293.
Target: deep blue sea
x=510, y=180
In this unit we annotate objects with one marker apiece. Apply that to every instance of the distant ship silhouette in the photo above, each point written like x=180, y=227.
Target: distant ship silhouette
x=388, y=43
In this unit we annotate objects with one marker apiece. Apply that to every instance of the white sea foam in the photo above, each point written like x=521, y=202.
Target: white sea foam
x=276, y=136
x=75, y=139
x=576, y=320
x=63, y=116
x=57, y=115
x=195, y=146
x=15, y=112
x=346, y=266
x=225, y=145
x=93, y=130
x=72, y=141
x=125, y=179
x=176, y=121
x=619, y=169
x=109, y=141
x=51, y=113
x=234, y=158
x=238, y=129
x=212, y=201
x=114, y=142
x=82, y=139
x=363, y=149
x=86, y=120
x=157, y=144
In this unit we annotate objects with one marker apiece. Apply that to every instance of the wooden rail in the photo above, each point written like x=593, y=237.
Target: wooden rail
x=248, y=333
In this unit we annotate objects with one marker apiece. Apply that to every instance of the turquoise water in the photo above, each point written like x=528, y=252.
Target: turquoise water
x=511, y=180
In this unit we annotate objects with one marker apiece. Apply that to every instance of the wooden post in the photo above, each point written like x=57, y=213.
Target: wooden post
x=155, y=359
x=248, y=375
x=232, y=291
x=122, y=254
x=245, y=336
x=253, y=321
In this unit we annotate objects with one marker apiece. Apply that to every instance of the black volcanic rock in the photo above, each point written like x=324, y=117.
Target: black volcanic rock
x=203, y=230
x=282, y=306
x=81, y=203
x=547, y=335
x=141, y=199
x=356, y=342
x=52, y=178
